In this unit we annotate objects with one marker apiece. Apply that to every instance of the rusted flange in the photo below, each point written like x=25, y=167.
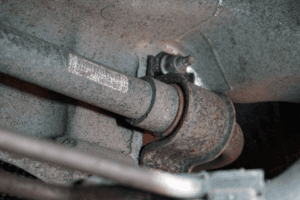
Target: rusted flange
x=201, y=135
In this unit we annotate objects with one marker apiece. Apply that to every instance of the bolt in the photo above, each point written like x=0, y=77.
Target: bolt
x=182, y=63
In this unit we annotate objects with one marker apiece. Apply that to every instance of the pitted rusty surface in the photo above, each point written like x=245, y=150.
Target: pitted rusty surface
x=231, y=152
x=203, y=131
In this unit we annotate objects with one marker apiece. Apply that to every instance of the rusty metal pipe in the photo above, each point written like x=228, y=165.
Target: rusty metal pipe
x=129, y=175
x=47, y=65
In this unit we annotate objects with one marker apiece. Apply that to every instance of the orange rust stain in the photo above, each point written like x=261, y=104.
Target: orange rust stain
x=126, y=34
x=148, y=137
x=217, y=116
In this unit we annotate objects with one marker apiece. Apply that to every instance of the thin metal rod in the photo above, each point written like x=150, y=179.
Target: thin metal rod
x=129, y=175
x=31, y=189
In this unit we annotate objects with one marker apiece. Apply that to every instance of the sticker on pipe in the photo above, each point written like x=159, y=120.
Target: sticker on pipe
x=97, y=73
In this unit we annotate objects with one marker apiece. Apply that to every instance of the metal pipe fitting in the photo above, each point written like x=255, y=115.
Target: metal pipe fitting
x=41, y=63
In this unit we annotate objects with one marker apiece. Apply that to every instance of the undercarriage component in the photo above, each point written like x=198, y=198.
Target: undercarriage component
x=202, y=134
x=196, y=185
x=197, y=127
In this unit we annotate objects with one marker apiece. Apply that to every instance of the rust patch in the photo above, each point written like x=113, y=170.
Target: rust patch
x=231, y=152
x=124, y=35
x=217, y=116
x=148, y=137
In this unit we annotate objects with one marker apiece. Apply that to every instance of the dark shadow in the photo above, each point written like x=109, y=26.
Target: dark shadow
x=272, y=136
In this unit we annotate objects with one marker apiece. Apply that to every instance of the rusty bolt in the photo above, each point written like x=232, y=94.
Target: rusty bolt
x=175, y=64
x=181, y=63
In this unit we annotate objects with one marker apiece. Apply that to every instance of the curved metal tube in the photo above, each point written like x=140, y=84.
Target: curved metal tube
x=133, y=176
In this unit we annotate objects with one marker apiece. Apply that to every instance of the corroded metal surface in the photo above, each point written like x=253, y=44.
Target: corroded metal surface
x=206, y=128
x=231, y=152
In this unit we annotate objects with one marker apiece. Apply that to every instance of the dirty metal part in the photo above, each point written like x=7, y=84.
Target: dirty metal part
x=31, y=189
x=163, y=110
x=44, y=171
x=232, y=151
x=39, y=62
x=92, y=124
x=251, y=49
x=211, y=184
x=179, y=114
x=133, y=176
x=112, y=193
x=202, y=134
x=234, y=194
x=30, y=108
x=36, y=190
x=44, y=64
x=95, y=149
x=164, y=63
x=153, y=64
x=175, y=64
x=232, y=180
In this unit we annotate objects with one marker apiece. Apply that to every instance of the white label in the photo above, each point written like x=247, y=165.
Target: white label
x=97, y=73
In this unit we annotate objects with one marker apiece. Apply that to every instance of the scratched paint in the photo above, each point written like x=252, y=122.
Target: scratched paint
x=97, y=73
